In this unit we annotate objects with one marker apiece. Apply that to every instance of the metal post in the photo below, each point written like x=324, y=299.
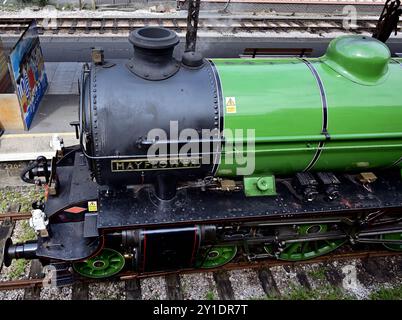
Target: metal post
x=388, y=21
x=192, y=24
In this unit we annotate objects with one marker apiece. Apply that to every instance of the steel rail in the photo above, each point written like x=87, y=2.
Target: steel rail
x=258, y=264
x=15, y=216
x=308, y=2
x=21, y=284
x=233, y=24
x=32, y=283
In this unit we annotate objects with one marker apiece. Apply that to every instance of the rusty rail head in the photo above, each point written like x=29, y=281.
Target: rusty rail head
x=267, y=263
x=30, y=283
x=15, y=216
x=21, y=284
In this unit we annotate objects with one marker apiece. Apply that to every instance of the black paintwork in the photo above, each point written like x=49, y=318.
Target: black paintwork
x=67, y=242
x=166, y=249
x=194, y=206
x=153, y=53
x=76, y=186
x=90, y=225
x=129, y=210
x=123, y=108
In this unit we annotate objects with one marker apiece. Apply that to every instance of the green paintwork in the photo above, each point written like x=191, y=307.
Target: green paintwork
x=393, y=236
x=361, y=59
x=299, y=251
x=259, y=186
x=216, y=257
x=280, y=99
x=106, y=264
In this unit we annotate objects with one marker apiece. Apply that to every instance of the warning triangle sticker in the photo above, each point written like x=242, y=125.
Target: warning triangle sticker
x=230, y=102
x=230, y=105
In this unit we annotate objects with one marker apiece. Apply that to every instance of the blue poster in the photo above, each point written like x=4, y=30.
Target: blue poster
x=28, y=71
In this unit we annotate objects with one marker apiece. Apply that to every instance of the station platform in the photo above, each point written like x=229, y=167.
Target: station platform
x=58, y=108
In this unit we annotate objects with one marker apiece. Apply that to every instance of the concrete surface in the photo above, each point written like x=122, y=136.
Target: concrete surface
x=53, y=118
x=58, y=108
x=60, y=104
x=55, y=114
x=19, y=147
x=63, y=77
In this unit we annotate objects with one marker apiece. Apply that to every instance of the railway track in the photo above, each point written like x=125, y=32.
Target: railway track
x=15, y=216
x=172, y=285
x=172, y=282
x=233, y=24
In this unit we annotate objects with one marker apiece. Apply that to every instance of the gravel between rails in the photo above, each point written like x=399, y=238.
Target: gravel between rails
x=246, y=285
x=107, y=291
x=49, y=293
x=285, y=278
x=153, y=288
x=350, y=281
x=198, y=286
x=23, y=196
x=12, y=294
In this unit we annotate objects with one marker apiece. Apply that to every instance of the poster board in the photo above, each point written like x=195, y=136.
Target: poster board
x=27, y=68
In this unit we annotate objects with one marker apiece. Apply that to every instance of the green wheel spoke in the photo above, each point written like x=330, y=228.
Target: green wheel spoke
x=107, y=263
x=305, y=246
x=309, y=249
x=294, y=248
x=216, y=256
x=316, y=246
x=392, y=236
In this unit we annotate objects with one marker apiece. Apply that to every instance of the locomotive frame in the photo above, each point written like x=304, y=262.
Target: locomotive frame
x=202, y=229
